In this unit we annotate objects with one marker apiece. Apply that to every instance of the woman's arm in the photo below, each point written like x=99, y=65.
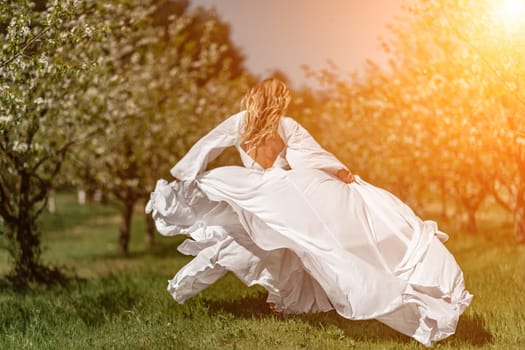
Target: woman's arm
x=208, y=148
x=303, y=151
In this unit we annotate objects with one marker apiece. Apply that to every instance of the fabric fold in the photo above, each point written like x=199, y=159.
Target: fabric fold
x=315, y=244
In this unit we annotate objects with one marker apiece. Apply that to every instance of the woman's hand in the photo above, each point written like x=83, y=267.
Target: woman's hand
x=345, y=176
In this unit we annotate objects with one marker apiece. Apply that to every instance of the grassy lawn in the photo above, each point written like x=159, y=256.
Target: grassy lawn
x=122, y=303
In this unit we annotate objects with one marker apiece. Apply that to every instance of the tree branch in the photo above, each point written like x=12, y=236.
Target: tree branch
x=45, y=185
x=42, y=207
x=35, y=38
x=5, y=207
x=500, y=200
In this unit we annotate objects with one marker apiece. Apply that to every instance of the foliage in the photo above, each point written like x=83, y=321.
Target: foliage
x=44, y=70
x=174, y=81
x=445, y=118
x=115, y=84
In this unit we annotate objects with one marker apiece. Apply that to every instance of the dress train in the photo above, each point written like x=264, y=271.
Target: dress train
x=315, y=244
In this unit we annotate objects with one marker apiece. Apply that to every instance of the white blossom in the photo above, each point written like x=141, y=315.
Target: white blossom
x=5, y=119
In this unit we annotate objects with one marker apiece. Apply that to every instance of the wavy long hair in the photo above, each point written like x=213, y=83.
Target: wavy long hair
x=265, y=104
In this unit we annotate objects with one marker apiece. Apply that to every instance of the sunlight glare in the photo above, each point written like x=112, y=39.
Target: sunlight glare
x=513, y=9
x=511, y=15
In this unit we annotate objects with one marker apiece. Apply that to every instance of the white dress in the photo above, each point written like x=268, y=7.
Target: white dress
x=312, y=241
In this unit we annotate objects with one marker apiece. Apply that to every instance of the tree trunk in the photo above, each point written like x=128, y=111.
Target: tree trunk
x=27, y=252
x=519, y=214
x=149, y=239
x=97, y=196
x=26, y=243
x=472, y=205
x=472, y=226
x=125, y=227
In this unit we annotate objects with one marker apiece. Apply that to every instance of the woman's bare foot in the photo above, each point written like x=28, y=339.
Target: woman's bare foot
x=274, y=312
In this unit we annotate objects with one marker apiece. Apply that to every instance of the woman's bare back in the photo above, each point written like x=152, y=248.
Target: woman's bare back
x=267, y=152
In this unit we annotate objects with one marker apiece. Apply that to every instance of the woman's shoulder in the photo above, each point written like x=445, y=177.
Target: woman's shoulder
x=290, y=124
x=233, y=121
x=288, y=121
x=239, y=116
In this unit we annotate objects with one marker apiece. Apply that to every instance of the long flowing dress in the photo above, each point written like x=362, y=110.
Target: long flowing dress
x=312, y=241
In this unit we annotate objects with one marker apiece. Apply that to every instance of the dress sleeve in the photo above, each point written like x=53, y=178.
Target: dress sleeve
x=304, y=152
x=208, y=148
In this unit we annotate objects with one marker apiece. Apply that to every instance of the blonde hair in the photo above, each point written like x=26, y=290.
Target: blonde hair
x=265, y=104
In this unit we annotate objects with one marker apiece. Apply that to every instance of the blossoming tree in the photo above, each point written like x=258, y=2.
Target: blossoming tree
x=44, y=71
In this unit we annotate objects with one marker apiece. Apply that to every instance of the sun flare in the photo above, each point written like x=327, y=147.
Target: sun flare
x=512, y=10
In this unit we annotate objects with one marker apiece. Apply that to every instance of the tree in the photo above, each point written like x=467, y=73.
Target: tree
x=449, y=108
x=44, y=70
x=175, y=80
x=464, y=67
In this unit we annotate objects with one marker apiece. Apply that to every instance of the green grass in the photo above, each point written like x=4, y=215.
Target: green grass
x=122, y=303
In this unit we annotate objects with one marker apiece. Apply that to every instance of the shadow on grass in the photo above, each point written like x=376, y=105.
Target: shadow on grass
x=253, y=306
x=471, y=330
x=256, y=307
x=46, y=276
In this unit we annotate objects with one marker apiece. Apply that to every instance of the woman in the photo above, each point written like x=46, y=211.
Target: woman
x=297, y=222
